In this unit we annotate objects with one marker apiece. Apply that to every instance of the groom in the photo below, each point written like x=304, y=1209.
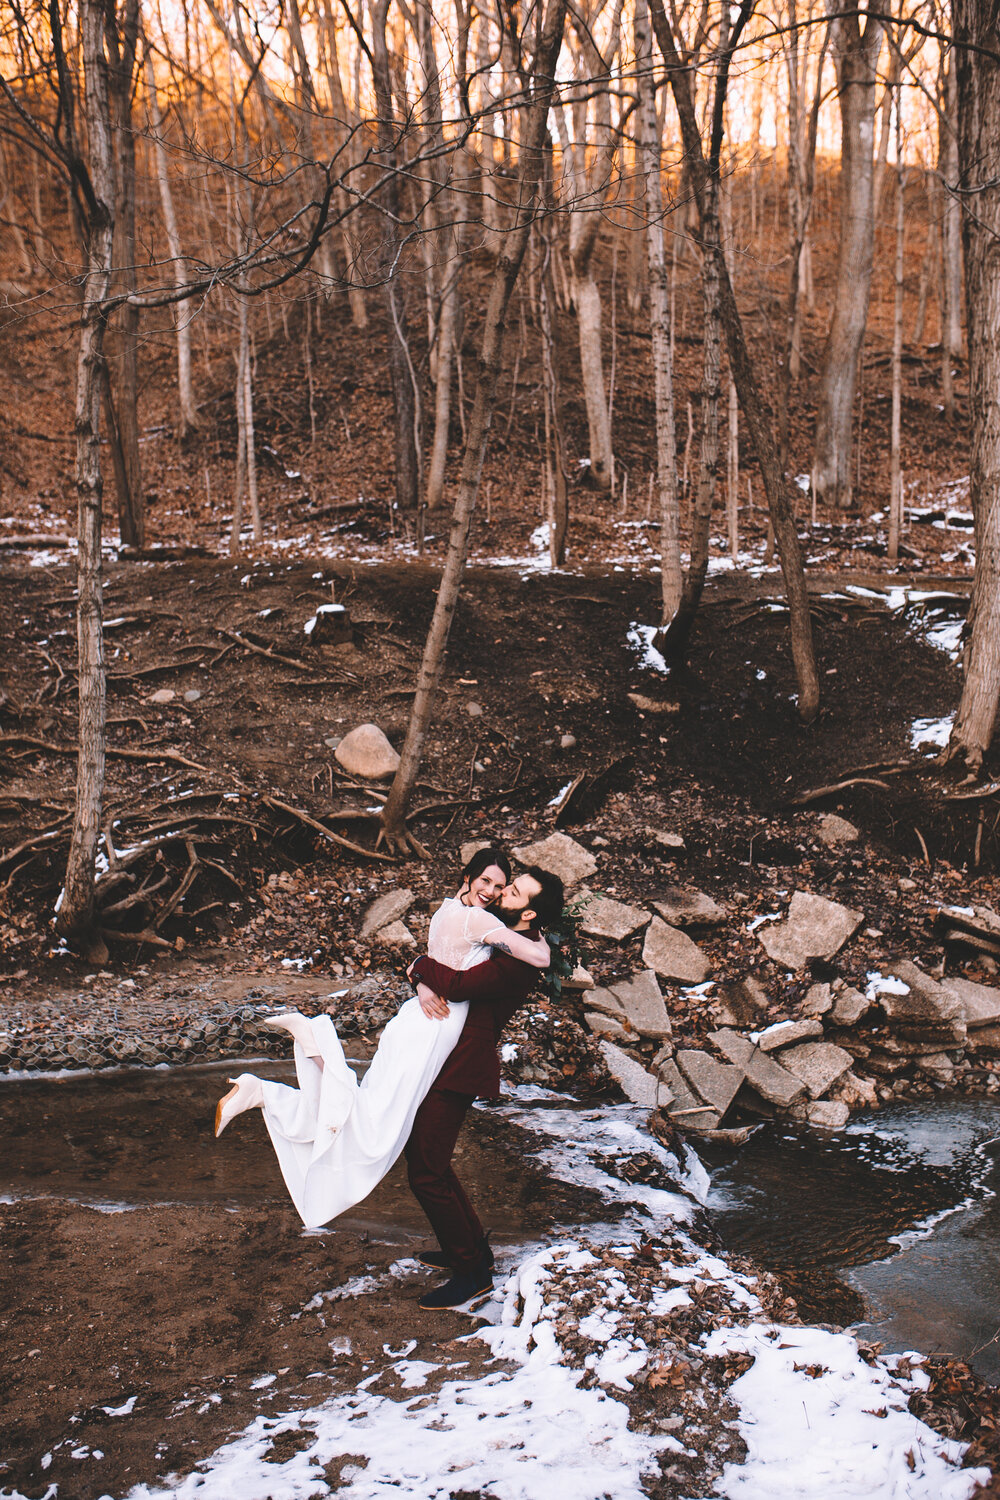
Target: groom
x=495, y=989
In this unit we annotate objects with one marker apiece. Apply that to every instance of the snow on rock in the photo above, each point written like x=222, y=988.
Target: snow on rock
x=818, y=1420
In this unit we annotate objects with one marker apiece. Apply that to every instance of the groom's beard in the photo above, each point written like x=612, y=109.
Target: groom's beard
x=508, y=918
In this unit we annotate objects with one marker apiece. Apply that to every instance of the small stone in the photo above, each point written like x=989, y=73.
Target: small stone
x=833, y=831
x=162, y=695
x=906, y=884
x=683, y=908
x=643, y=1006
x=604, y=1025
x=568, y=742
x=192, y=695
x=666, y=839
x=817, y=1065
x=474, y=710
x=823, y=1114
x=633, y=1080
x=849, y=1007
x=652, y=705
x=580, y=979
x=396, y=935
x=813, y=928
x=559, y=855
x=716, y=1083
x=605, y=918
x=384, y=910
x=817, y=1001
x=937, y=1065
x=788, y=1033
x=332, y=741
x=673, y=955
x=366, y=752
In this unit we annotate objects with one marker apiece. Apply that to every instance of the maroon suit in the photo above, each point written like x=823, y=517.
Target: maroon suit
x=494, y=990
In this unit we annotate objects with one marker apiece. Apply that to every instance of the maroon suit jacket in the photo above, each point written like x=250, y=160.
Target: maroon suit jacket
x=495, y=990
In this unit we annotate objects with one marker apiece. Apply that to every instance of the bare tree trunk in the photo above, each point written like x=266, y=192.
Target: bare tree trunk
x=895, y=470
x=185, y=388
x=244, y=400
x=587, y=303
x=951, y=222
x=406, y=442
x=977, y=44
x=508, y=264
x=75, y=909
x=856, y=54
x=648, y=131
x=555, y=447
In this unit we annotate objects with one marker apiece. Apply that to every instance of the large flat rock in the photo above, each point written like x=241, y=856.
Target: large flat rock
x=688, y=908
x=390, y=907
x=771, y=1081
x=603, y=917
x=927, y=1012
x=643, y=1006
x=980, y=1004
x=673, y=955
x=813, y=928
x=633, y=1080
x=559, y=855
x=817, y=1064
x=787, y=1033
x=714, y=1082
x=365, y=751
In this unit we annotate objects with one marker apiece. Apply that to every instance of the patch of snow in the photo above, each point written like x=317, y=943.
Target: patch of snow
x=936, y=732
x=877, y=984
x=640, y=638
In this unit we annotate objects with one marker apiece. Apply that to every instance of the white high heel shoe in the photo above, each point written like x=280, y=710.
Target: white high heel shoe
x=246, y=1093
x=299, y=1028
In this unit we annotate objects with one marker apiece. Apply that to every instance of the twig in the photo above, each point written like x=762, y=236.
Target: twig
x=303, y=817
x=51, y=832
x=923, y=845
x=818, y=792
x=173, y=756
x=160, y=666
x=287, y=661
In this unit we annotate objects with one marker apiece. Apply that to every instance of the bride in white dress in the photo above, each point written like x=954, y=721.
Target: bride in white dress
x=336, y=1138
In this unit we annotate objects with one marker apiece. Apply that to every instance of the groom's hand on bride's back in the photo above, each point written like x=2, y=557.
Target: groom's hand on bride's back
x=432, y=1005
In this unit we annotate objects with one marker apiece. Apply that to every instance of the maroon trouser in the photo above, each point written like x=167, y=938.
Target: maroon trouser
x=433, y=1182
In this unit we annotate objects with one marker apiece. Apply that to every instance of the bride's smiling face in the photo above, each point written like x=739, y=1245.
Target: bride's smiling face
x=487, y=886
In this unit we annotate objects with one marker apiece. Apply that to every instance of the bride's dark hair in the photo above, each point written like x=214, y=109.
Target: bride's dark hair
x=481, y=860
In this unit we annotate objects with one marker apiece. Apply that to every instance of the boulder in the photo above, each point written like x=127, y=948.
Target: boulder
x=673, y=955
x=683, y=908
x=823, y=1114
x=833, y=831
x=683, y=1105
x=771, y=1081
x=849, y=1006
x=559, y=855
x=365, y=751
x=927, y=1012
x=643, y=1006
x=787, y=1033
x=980, y=1004
x=714, y=1082
x=817, y=1065
x=813, y=928
x=605, y=918
x=604, y=1025
x=387, y=908
x=633, y=1080
x=396, y=935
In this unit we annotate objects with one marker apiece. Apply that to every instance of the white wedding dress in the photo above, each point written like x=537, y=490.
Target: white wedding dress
x=336, y=1138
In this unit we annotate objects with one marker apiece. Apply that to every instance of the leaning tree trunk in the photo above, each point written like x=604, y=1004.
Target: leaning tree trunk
x=671, y=578
x=977, y=26
x=75, y=910
x=508, y=264
x=856, y=55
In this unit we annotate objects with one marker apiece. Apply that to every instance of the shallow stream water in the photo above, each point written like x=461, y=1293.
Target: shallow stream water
x=892, y=1225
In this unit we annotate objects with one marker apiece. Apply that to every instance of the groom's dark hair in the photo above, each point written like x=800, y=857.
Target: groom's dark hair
x=482, y=859
x=548, y=904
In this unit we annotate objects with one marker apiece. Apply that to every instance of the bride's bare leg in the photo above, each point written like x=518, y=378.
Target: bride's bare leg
x=299, y=1028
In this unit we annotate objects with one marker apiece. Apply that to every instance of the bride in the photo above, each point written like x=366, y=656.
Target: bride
x=336, y=1138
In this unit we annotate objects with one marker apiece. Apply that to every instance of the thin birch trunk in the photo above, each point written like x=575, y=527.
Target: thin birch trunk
x=186, y=403
x=895, y=471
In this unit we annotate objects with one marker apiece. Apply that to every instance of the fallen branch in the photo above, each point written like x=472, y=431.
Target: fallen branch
x=159, y=666
x=173, y=757
x=287, y=661
x=53, y=831
x=816, y=793
x=303, y=817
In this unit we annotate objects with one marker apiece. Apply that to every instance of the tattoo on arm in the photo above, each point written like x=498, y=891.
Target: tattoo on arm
x=503, y=947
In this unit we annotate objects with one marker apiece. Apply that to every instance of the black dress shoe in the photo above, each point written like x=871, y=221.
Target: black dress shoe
x=438, y=1261
x=465, y=1289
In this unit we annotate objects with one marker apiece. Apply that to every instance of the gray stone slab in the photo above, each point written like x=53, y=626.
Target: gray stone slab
x=559, y=855
x=817, y=1000
x=849, y=1006
x=787, y=1033
x=714, y=1082
x=927, y=1011
x=813, y=928
x=602, y=1025
x=365, y=751
x=743, y=1003
x=673, y=955
x=633, y=1080
x=980, y=1004
x=643, y=1005
x=471, y=847
x=396, y=935
x=386, y=908
x=606, y=1001
x=685, y=1108
x=771, y=1081
x=817, y=1065
x=823, y=1114
x=937, y=1065
x=687, y=908
x=603, y=917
